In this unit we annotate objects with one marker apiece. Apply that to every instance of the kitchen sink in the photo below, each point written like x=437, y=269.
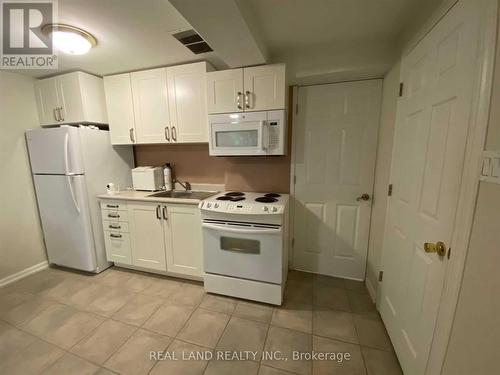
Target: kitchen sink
x=183, y=194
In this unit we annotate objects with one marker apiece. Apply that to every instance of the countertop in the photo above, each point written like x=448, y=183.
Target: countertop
x=134, y=195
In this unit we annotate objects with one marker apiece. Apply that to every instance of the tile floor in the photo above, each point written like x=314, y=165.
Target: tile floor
x=63, y=322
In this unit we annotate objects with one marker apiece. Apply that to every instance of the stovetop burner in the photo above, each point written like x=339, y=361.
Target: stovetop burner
x=266, y=199
x=231, y=198
x=235, y=194
x=272, y=195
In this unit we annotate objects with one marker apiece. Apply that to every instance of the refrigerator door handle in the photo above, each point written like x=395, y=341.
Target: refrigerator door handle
x=66, y=144
x=70, y=184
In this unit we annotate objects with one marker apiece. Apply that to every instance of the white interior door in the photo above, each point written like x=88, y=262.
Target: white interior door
x=335, y=140
x=429, y=148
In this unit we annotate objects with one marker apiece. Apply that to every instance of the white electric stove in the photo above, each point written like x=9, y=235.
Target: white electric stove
x=245, y=242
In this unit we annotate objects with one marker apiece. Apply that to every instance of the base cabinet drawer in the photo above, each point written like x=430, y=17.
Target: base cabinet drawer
x=114, y=215
x=118, y=247
x=115, y=226
x=114, y=205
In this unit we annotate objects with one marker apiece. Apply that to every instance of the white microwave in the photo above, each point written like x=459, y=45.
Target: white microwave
x=247, y=133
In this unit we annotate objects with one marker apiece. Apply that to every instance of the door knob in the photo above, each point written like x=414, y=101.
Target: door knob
x=438, y=247
x=363, y=197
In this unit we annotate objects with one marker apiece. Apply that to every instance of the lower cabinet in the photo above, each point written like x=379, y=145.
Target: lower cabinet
x=156, y=236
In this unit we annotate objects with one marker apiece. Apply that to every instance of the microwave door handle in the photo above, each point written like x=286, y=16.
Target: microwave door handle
x=226, y=228
x=262, y=135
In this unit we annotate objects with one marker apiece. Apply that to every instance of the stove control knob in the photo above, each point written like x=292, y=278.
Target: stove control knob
x=216, y=205
x=209, y=205
x=265, y=208
x=275, y=209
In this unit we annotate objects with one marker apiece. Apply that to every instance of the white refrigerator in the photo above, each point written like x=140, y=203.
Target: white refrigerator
x=70, y=166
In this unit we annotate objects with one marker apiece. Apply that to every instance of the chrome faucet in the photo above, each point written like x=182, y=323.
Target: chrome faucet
x=186, y=185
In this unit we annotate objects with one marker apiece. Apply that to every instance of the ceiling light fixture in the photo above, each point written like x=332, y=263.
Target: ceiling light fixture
x=69, y=39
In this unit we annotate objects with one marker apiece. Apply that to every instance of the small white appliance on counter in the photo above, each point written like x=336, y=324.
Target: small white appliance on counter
x=247, y=133
x=147, y=178
x=245, y=245
x=70, y=166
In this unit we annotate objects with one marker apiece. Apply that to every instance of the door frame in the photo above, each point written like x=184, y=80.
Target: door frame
x=477, y=129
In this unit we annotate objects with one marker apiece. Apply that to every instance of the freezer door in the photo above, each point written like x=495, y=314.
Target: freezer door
x=64, y=211
x=55, y=150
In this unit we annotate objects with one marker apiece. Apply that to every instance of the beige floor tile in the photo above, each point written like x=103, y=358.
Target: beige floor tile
x=63, y=292
x=266, y=370
x=11, y=299
x=380, y=362
x=183, y=365
x=293, y=316
x=221, y=304
x=103, y=341
x=299, y=275
x=134, y=356
x=86, y=293
x=329, y=281
x=110, y=301
x=169, y=319
x=26, y=311
x=138, y=309
x=115, y=277
x=32, y=359
x=188, y=294
x=334, y=324
x=204, y=328
x=62, y=325
x=357, y=286
x=70, y=364
x=162, y=287
x=253, y=311
x=299, y=291
x=232, y=367
x=360, y=302
x=104, y=371
x=243, y=334
x=371, y=331
x=38, y=282
x=12, y=340
x=286, y=341
x=353, y=366
x=332, y=298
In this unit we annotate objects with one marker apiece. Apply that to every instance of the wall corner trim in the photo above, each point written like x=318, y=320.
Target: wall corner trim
x=24, y=273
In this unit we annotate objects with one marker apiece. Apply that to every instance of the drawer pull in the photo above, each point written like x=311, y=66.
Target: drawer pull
x=115, y=235
x=113, y=215
x=115, y=226
x=112, y=206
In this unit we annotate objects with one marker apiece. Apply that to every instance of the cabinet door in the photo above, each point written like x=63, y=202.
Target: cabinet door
x=183, y=240
x=146, y=235
x=149, y=92
x=264, y=87
x=187, y=92
x=225, y=91
x=46, y=100
x=120, y=107
x=70, y=98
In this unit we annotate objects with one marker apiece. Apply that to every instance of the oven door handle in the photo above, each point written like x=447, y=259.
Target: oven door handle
x=226, y=228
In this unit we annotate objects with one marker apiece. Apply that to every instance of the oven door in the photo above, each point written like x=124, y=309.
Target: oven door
x=243, y=250
x=238, y=134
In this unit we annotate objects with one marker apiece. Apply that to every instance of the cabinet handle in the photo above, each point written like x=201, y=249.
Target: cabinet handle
x=115, y=235
x=115, y=226
x=112, y=206
x=131, y=134
x=247, y=99
x=174, y=133
x=55, y=114
x=158, y=216
x=165, y=213
x=114, y=215
x=167, y=133
x=61, y=117
x=238, y=100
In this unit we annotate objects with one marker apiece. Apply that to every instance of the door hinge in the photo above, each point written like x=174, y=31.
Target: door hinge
x=294, y=179
x=380, y=275
x=401, y=89
x=293, y=242
x=296, y=108
x=449, y=253
x=389, y=190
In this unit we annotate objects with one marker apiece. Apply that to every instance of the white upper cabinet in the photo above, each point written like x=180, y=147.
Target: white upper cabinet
x=187, y=90
x=120, y=106
x=71, y=98
x=151, y=109
x=264, y=87
x=225, y=91
x=256, y=88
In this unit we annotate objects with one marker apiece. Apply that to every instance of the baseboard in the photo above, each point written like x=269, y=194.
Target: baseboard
x=371, y=290
x=26, y=272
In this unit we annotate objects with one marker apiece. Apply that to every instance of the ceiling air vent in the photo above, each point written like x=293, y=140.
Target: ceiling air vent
x=192, y=40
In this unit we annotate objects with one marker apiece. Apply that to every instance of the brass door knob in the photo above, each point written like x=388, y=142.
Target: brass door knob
x=438, y=247
x=363, y=197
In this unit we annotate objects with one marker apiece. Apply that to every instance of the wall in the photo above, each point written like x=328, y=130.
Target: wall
x=473, y=347
x=382, y=175
x=21, y=241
